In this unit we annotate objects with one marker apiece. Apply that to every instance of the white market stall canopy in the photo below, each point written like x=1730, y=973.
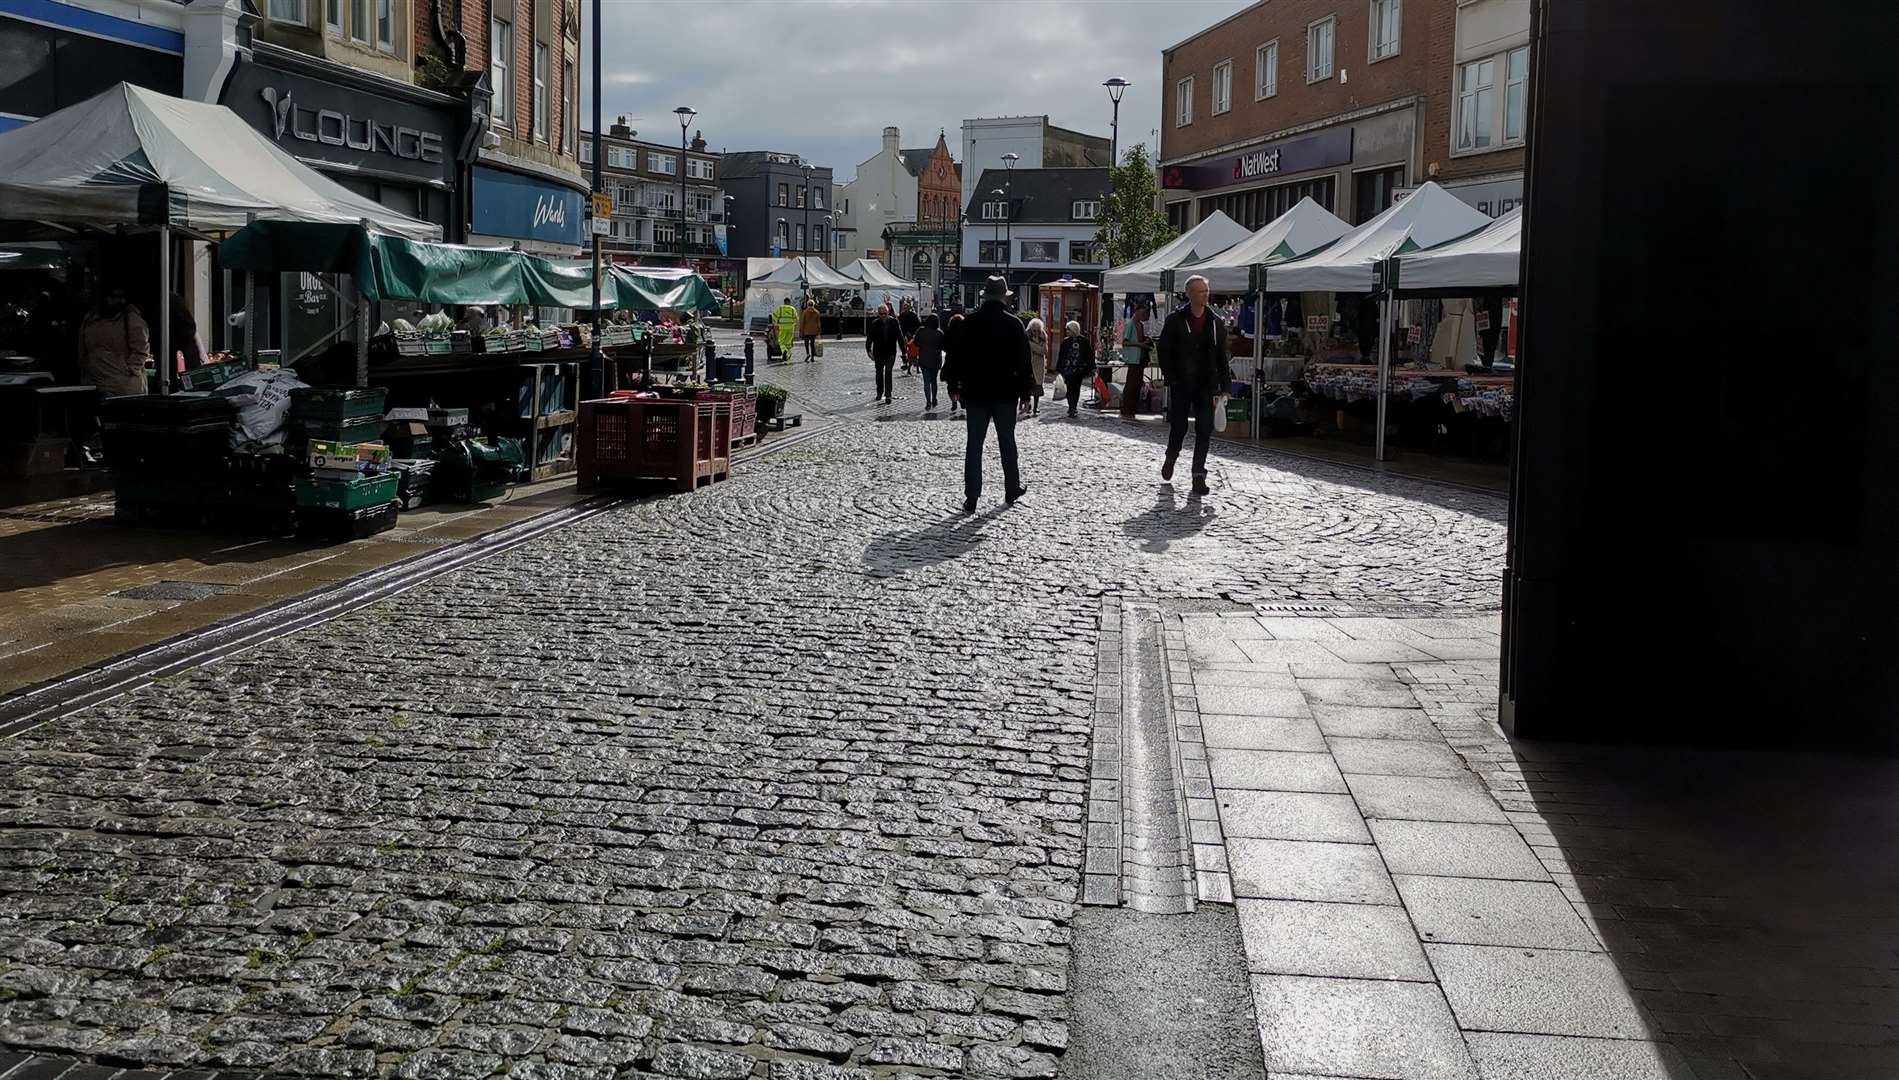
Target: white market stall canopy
x=1304, y=229
x=757, y=267
x=882, y=286
x=1427, y=217
x=806, y=272
x=1486, y=259
x=136, y=157
x=1205, y=240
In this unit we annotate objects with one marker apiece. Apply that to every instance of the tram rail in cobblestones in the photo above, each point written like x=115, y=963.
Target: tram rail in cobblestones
x=46, y=701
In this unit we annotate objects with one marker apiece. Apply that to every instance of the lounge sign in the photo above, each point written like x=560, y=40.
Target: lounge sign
x=334, y=128
x=335, y=123
x=1320, y=151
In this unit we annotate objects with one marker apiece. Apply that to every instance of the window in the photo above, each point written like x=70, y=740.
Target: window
x=332, y=15
x=359, y=20
x=1086, y=209
x=1085, y=252
x=1266, y=70
x=586, y=152
x=1384, y=29
x=1320, y=37
x=801, y=191
x=289, y=11
x=817, y=198
x=1476, y=103
x=662, y=234
x=1183, y=102
x=661, y=163
x=622, y=157
x=1222, y=87
x=784, y=232
x=570, y=109
x=540, y=89
x=386, y=25
x=701, y=204
x=784, y=195
x=1516, y=85
x=699, y=168
x=660, y=197
x=995, y=211
x=500, y=67
x=801, y=246
x=1041, y=251
x=625, y=196
x=837, y=238
x=989, y=251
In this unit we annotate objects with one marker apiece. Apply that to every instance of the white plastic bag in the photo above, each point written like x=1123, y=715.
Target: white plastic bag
x=1058, y=388
x=263, y=400
x=1219, y=412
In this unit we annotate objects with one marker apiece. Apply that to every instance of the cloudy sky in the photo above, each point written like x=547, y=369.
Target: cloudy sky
x=823, y=77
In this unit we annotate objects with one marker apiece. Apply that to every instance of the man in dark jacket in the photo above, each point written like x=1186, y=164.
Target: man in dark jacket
x=1192, y=351
x=909, y=322
x=882, y=339
x=990, y=373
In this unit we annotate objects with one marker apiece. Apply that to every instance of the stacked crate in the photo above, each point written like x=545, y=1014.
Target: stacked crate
x=351, y=491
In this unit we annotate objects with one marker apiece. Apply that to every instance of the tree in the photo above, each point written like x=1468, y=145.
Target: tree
x=1129, y=226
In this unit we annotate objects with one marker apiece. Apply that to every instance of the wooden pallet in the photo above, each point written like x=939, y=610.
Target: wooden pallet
x=745, y=440
x=782, y=421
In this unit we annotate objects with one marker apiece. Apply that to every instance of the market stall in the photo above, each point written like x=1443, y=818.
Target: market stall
x=1209, y=238
x=792, y=279
x=1302, y=230
x=880, y=286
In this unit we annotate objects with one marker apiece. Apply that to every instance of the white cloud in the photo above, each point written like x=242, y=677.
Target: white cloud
x=822, y=78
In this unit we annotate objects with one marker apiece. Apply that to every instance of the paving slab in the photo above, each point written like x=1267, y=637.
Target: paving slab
x=1252, y=701
x=1261, y=733
x=1397, y=757
x=1456, y=849
x=1268, y=676
x=1372, y=722
x=1306, y=870
x=1341, y=941
x=1481, y=911
x=1359, y=1028
x=1274, y=770
x=1292, y=815
x=1502, y=1056
x=1537, y=991
x=1377, y=652
x=1424, y=798
x=1389, y=695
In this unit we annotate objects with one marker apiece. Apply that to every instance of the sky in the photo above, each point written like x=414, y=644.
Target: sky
x=822, y=78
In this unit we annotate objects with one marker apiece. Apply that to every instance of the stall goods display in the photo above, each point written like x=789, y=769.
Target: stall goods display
x=337, y=402
x=347, y=459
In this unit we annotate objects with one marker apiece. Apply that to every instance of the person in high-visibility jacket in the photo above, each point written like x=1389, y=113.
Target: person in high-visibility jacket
x=784, y=322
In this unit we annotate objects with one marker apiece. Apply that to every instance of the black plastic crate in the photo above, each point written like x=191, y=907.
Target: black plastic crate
x=358, y=430
x=319, y=523
x=167, y=409
x=337, y=402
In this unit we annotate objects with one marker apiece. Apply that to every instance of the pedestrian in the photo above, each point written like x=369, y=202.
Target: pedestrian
x=784, y=323
x=929, y=341
x=909, y=323
x=1192, y=348
x=809, y=324
x=952, y=339
x=1038, y=366
x=1076, y=362
x=991, y=374
x=882, y=339
x=115, y=344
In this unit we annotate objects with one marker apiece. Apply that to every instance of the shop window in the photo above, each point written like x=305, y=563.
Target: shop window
x=540, y=90
x=1183, y=102
x=1266, y=71
x=1222, y=87
x=1041, y=251
x=359, y=20
x=1086, y=209
x=1384, y=29
x=1320, y=37
x=333, y=16
x=990, y=252
x=386, y=25
x=572, y=107
x=1086, y=253
x=500, y=68
x=1516, y=87
x=1476, y=103
x=1374, y=192
x=287, y=11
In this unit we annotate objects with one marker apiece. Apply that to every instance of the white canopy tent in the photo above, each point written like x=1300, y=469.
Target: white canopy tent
x=792, y=278
x=1489, y=258
x=1304, y=229
x=1427, y=217
x=1209, y=238
x=882, y=286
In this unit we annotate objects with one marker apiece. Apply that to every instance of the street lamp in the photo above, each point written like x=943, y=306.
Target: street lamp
x=685, y=116
x=1116, y=87
x=996, y=235
x=1008, y=215
x=804, y=247
x=596, y=360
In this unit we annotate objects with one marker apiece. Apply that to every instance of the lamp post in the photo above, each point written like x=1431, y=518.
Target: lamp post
x=1008, y=215
x=685, y=116
x=596, y=362
x=725, y=219
x=996, y=229
x=804, y=248
x=1116, y=87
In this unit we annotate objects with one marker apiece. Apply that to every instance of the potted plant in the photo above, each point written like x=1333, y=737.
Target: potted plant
x=771, y=401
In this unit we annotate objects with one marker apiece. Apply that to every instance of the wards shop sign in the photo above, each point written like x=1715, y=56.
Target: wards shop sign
x=323, y=122
x=522, y=208
x=1324, y=150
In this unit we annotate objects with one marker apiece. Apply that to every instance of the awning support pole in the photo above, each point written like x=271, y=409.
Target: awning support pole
x=163, y=314
x=1384, y=369
x=250, y=310
x=1259, y=354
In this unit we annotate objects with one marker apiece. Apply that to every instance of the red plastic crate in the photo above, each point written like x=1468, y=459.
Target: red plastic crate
x=685, y=442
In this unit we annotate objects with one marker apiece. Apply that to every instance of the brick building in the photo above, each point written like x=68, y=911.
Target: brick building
x=1350, y=102
x=643, y=179
x=526, y=187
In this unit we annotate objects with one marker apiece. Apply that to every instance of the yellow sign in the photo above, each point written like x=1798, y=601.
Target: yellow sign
x=602, y=204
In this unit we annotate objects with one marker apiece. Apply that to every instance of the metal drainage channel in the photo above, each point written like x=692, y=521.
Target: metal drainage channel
x=47, y=701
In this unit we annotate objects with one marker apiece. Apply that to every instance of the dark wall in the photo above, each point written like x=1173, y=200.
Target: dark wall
x=749, y=237
x=44, y=69
x=1703, y=514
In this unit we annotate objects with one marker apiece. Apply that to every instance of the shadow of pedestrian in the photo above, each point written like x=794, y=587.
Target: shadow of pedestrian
x=945, y=540
x=1168, y=520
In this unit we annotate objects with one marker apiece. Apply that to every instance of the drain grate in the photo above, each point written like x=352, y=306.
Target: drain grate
x=184, y=591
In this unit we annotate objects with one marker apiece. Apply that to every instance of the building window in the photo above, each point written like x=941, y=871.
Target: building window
x=1384, y=29
x=1266, y=71
x=500, y=68
x=1515, y=88
x=800, y=198
x=1086, y=209
x=784, y=195
x=586, y=152
x=386, y=25
x=817, y=198
x=801, y=246
x=287, y=11
x=1320, y=37
x=663, y=234
x=995, y=211
x=1183, y=102
x=625, y=196
x=661, y=163
x=332, y=15
x=1222, y=87
x=569, y=110
x=1041, y=251
x=540, y=90
x=699, y=168
x=621, y=157
x=784, y=232
x=1476, y=103
x=1085, y=252
x=990, y=252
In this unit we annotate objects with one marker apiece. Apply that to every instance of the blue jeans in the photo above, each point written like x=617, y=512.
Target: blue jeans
x=981, y=415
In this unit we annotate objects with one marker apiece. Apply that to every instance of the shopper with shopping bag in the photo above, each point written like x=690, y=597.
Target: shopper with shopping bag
x=1193, y=359
x=1076, y=362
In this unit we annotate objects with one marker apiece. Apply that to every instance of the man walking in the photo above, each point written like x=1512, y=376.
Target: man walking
x=882, y=339
x=990, y=374
x=908, y=322
x=784, y=323
x=1192, y=351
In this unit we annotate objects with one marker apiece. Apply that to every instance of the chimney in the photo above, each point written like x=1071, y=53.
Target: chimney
x=619, y=128
x=890, y=140
x=699, y=141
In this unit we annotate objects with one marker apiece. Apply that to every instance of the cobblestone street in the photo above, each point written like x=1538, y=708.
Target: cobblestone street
x=785, y=779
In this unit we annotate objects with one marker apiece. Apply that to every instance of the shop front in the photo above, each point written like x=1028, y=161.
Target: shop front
x=544, y=216
x=1495, y=196
x=1353, y=168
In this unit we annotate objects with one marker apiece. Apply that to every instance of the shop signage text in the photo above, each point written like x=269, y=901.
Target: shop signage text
x=1319, y=151
x=334, y=128
x=511, y=205
x=1257, y=163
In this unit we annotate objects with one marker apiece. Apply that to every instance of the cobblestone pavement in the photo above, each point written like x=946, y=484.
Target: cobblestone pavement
x=783, y=779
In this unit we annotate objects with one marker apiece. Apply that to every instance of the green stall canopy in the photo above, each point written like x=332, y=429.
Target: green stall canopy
x=388, y=267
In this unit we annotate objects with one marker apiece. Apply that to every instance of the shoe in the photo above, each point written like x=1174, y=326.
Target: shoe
x=969, y=506
x=1072, y=414
x=1009, y=500
x=1167, y=468
x=1200, y=486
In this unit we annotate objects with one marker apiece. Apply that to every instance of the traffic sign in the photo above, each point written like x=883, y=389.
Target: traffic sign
x=602, y=204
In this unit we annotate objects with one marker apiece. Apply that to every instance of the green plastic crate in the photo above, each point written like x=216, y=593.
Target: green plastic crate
x=337, y=402
x=353, y=494
x=361, y=429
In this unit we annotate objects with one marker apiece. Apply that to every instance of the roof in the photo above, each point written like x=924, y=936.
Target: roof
x=1044, y=196
x=915, y=160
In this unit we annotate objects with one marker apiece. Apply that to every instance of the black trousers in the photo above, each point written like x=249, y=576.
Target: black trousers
x=1074, y=393
x=885, y=383
x=810, y=346
x=1179, y=408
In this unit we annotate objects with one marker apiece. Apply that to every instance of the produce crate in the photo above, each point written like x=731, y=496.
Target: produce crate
x=185, y=449
x=685, y=442
x=167, y=410
x=332, y=524
x=744, y=403
x=341, y=494
x=361, y=429
x=414, y=479
x=347, y=457
x=210, y=376
x=337, y=402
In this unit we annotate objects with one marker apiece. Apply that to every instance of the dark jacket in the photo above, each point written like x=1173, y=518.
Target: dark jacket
x=1076, y=358
x=930, y=347
x=910, y=322
x=882, y=338
x=990, y=357
x=1195, y=364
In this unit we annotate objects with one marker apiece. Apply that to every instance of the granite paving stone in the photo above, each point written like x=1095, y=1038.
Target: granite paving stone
x=1370, y=722
x=1481, y=911
x=1305, y=870
x=1291, y=815
x=1396, y=757
x=1261, y=733
x=1347, y=941
x=1359, y=1028
x=1456, y=849
x=1537, y=991
x=1274, y=770
x=1502, y=1056
x=1416, y=798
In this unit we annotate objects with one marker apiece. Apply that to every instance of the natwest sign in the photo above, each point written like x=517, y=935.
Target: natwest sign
x=1289, y=156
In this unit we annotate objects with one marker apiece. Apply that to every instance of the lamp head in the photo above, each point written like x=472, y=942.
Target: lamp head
x=1116, y=87
x=685, y=115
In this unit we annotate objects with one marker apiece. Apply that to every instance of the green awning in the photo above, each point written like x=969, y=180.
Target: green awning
x=390, y=267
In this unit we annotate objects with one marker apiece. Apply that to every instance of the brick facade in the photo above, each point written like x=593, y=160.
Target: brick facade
x=563, y=39
x=939, y=188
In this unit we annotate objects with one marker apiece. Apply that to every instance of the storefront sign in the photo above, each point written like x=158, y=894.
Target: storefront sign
x=333, y=128
x=334, y=122
x=1496, y=198
x=1319, y=151
x=511, y=205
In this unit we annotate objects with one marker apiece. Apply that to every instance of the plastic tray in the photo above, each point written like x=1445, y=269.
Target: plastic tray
x=340, y=494
x=337, y=402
